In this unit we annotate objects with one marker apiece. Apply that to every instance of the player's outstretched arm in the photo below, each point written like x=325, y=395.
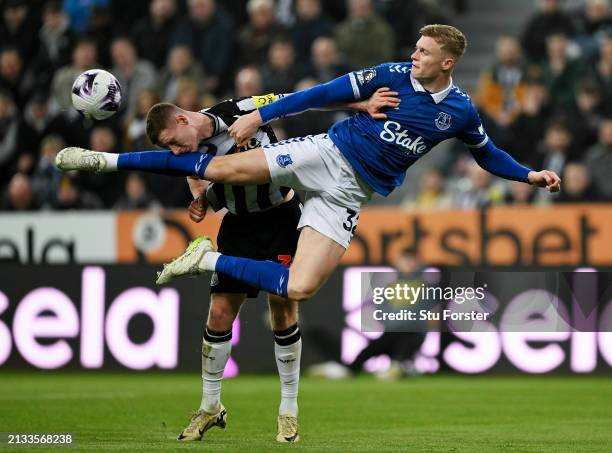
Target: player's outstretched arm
x=339, y=90
x=501, y=164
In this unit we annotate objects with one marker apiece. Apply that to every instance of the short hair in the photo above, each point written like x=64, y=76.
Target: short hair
x=451, y=39
x=158, y=119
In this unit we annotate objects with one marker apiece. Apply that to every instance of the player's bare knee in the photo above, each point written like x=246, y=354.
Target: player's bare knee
x=301, y=291
x=220, y=317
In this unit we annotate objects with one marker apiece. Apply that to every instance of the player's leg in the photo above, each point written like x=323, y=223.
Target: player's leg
x=316, y=258
x=216, y=350
x=287, y=351
x=238, y=169
x=255, y=167
x=329, y=218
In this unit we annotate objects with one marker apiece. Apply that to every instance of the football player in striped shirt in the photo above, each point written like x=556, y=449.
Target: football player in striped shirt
x=261, y=223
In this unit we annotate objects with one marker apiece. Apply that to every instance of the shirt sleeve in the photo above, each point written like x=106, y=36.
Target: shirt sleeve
x=351, y=86
x=473, y=135
x=366, y=81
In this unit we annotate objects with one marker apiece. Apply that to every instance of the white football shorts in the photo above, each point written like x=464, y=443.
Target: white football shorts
x=334, y=192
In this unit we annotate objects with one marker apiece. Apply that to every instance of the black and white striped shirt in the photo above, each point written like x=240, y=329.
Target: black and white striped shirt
x=240, y=200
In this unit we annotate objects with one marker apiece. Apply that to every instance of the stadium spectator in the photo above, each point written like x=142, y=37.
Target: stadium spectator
x=256, y=37
x=477, y=190
x=134, y=75
x=281, y=72
x=181, y=66
x=38, y=121
x=46, y=176
x=556, y=148
x=598, y=160
x=188, y=96
x=248, y=82
x=19, y=195
x=9, y=135
x=528, y=127
x=501, y=89
x=102, y=29
x=310, y=24
x=135, y=134
x=551, y=19
x=520, y=194
x=14, y=77
x=431, y=194
x=136, y=195
x=106, y=187
x=604, y=71
x=587, y=116
x=84, y=56
x=19, y=28
x=152, y=34
x=594, y=25
x=326, y=62
x=363, y=27
x=56, y=42
x=560, y=73
x=72, y=197
x=209, y=32
x=577, y=187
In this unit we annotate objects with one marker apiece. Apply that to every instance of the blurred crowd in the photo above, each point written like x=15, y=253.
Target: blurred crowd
x=546, y=99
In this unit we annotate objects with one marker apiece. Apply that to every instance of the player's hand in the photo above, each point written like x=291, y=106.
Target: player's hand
x=545, y=178
x=197, y=209
x=245, y=127
x=381, y=99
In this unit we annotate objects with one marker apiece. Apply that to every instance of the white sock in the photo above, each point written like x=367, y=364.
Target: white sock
x=288, y=364
x=214, y=358
x=111, y=161
x=209, y=261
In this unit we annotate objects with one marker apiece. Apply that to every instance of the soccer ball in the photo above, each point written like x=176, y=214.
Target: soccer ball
x=96, y=94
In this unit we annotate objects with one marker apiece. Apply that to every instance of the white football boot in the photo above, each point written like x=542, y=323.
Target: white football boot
x=74, y=158
x=188, y=262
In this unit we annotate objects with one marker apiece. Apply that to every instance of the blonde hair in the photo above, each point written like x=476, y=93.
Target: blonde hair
x=451, y=39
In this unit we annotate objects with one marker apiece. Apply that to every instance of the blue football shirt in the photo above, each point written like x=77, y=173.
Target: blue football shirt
x=381, y=151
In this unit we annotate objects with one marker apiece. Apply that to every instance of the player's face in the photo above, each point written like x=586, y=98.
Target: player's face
x=428, y=60
x=181, y=137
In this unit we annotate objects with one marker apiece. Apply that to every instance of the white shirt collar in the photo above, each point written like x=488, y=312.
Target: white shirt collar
x=437, y=97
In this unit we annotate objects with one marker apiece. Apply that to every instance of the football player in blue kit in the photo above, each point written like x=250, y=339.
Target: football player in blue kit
x=340, y=170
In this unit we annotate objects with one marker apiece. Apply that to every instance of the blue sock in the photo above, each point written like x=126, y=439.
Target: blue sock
x=267, y=275
x=165, y=163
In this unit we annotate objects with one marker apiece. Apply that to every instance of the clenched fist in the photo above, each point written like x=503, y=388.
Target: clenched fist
x=197, y=208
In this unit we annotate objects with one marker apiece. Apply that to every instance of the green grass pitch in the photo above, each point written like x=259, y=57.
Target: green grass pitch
x=145, y=412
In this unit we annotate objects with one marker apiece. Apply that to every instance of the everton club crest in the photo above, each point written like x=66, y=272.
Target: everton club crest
x=443, y=121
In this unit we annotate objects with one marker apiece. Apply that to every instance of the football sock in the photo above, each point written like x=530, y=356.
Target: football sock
x=165, y=163
x=216, y=349
x=266, y=275
x=111, y=161
x=288, y=351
